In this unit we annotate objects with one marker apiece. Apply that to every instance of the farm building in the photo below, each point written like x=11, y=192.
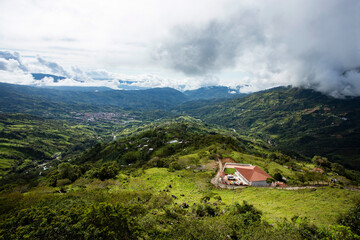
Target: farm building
x=246, y=174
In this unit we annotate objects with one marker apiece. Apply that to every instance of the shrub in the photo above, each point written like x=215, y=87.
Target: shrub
x=69, y=171
x=278, y=177
x=203, y=210
x=352, y=218
x=63, y=182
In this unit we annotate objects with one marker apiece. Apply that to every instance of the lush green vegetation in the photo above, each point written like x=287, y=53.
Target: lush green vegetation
x=27, y=141
x=125, y=190
x=146, y=175
x=161, y=204
x=293, y=120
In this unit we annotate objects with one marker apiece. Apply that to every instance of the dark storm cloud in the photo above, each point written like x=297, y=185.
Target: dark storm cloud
x=197, y=50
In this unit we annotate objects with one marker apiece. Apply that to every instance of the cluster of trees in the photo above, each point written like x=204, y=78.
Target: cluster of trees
x=328, y=166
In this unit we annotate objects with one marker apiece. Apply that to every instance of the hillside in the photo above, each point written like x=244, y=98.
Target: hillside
x=292, y=119
x=93, y=170
x=157, y=98
x=156, y=184
x=27, y=141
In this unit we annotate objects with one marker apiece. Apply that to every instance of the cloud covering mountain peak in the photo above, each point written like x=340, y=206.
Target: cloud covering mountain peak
x=301, y=43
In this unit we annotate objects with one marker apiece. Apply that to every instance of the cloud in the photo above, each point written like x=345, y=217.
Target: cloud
x=16, y=71
x=208, y=48
x=54, y=67
x=300, y=43
x=20, y=78
x=9, y=61
x=257, y=44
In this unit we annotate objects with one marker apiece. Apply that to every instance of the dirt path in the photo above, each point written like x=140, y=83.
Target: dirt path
x=216, y=180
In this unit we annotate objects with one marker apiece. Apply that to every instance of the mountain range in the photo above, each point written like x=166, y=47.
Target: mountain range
x=298, y=121
x=147, y=164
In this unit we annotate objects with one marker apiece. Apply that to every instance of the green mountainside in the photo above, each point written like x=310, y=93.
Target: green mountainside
x=156, y=185
x=292, y=119
x=28, y=141
x=83, y=170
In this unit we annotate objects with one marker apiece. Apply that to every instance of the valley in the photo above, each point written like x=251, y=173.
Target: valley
x=181, y=120
x=123, y=171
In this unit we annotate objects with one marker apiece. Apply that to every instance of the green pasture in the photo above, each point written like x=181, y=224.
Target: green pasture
x=321, y=205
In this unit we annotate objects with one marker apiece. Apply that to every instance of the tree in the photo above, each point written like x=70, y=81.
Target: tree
x=321, y=161
x=339, y=169
x=270, y=180
x=278, y=177
x=131, y=157
x=69, y=171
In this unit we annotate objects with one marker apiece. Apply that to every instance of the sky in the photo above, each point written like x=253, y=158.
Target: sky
x=253, y=45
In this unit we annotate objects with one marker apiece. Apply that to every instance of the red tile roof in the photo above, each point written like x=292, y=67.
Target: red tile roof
x=319, y=170
x=252, y=173
x=281, y=184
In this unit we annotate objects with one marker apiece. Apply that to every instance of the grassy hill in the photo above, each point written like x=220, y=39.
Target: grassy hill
x=155, y=184
x=292, y=119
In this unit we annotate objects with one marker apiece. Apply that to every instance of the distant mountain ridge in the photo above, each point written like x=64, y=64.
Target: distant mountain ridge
x=209, y=92
x=156, y=98
x=40, y=76
x=78, y=89
x=212, y=92
x=153, y=98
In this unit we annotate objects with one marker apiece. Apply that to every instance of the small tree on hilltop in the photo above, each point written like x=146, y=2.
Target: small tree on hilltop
x=321, y=161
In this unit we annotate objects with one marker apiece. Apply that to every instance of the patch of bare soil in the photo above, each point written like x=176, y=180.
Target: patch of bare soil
x=212, y=165
x=227, y=160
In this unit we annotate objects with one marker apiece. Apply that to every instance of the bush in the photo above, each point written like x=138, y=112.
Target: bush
x=278, y=177
x=339, y=232
x=63, y=182
x=175, y=166
x=352, y=219
x=203, y=210
x=69, y=171
x=107, y=171
x=248, y=213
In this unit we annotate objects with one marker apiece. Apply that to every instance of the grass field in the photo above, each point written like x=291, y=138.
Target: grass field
x=321, y=206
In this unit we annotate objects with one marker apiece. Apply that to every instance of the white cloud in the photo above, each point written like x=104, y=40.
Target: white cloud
x=20, y=78
x=11, y=71
x=186, y=44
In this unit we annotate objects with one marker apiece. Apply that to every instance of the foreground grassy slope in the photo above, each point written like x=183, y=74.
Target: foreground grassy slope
x=321, y=206
x=156, y=185
x=107, y=210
